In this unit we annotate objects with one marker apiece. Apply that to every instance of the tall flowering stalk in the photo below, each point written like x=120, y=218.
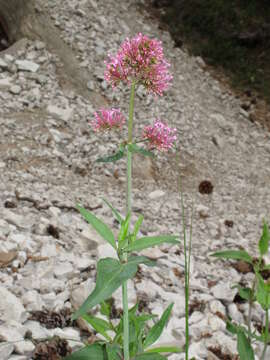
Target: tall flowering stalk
x=139, y=61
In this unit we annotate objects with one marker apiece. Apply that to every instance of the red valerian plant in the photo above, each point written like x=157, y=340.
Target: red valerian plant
x=140, y=61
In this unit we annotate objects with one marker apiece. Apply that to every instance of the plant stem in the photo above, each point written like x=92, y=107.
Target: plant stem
x=266, y=334
x=187, y=269
x=128, y=200
x=250, y=302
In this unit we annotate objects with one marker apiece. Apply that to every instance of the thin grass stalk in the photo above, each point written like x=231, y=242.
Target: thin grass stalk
x=250, y=303
x=266, y=334
x=186, y=272
x=128, y=210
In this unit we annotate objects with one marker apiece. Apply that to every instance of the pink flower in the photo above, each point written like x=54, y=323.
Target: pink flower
x=160, y=136
x=108, y=119
x=140, y=59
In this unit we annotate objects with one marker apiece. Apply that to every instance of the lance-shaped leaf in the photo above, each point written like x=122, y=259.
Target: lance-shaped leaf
x=137, y=149
x=90, y=352
x=233, y=255
x=101, y=326
x=165, y=349
x=110, y=275
x=150, y=241
x=141, y=260
x=244, y=348
x=262, y=292
x=147, y=356
x=99, y=226
x=105, y=309
x=156, y=330
x=264, y=240
x=114, y=211
x=112, y=158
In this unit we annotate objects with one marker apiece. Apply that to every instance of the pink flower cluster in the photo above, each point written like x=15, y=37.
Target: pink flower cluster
x=140, y=59
x=108, y=119
x=160, y=136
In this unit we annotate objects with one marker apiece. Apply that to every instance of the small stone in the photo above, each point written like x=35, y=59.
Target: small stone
x=91, y=85
x=235, y=314
x=37, y=331
x=216, y=307
x=3, y=64
x=63, y=114
x=6, y=350
x=64, y=271
x=11, y=307
x=79, y=294
x=5, y=84
x=15, y=89
x=154, y=195
x=32, y=301
x=24, y=347
x=223, y=291
x=16, y=219
x=9, y=333
x=203, y=211
x=105, y=250
x=26, y=65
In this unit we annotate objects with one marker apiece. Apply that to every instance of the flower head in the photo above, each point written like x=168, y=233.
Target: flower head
x=108, y=119
x=140, y=59
x=160, y=135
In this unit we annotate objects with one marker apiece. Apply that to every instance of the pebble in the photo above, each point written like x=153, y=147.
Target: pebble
x=25, y=65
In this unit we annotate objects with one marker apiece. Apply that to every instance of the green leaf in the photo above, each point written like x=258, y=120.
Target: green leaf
x=150, y=241
x=141, y=260
x=124, y=229
x=105, y=309
x=113, y=352
x=137, y=149
x=233, y=255
x=165, y=349
x=99, y=226
x=157, y=329
x=264, y=240
x=137, y=227
x=262, y=292
x=232, y=328
x=114, y=211
x=112, y=158
x=245, y=293
x=100, y=325
x=90, y=352
x=244, y=348
x=148, y=356
x=110, y=275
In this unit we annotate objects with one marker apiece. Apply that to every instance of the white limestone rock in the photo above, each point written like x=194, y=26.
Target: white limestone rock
x=26, y=65
x=11, y=307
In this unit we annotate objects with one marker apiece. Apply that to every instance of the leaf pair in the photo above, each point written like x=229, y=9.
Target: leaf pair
x=134, y=148
x=137, y=244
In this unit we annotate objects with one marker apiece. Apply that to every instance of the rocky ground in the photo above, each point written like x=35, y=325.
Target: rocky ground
x=47, y=158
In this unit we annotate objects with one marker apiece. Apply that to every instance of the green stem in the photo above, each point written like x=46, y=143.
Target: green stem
x=266, y=334
x=187, y=269
x=250, y=303
x=128, y=200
